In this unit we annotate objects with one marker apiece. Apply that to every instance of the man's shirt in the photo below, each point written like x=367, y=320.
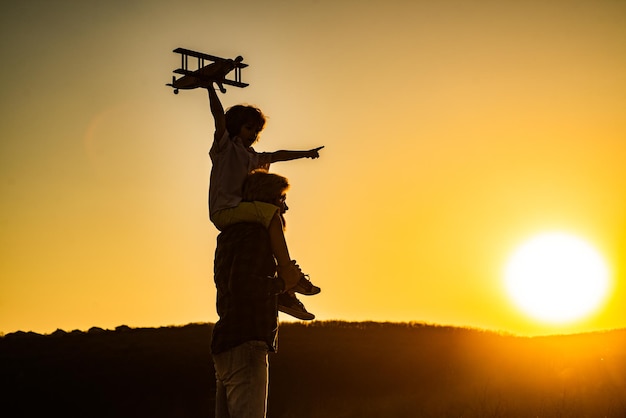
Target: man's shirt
x=247, y=288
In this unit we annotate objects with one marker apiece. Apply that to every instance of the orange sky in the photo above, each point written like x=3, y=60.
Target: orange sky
x=453, y=131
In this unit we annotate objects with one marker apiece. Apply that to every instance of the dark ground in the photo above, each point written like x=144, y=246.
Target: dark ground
x=323, y=369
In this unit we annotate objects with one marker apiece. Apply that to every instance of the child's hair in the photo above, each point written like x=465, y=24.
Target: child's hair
x=262, y=186
x=239, y=115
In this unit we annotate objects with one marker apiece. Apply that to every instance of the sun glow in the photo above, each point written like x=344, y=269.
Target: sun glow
x=557, y=278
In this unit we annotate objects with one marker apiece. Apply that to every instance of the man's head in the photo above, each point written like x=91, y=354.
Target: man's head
x=262, y=186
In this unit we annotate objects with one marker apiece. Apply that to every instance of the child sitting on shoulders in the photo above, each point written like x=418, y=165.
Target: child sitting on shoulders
x=233, y=158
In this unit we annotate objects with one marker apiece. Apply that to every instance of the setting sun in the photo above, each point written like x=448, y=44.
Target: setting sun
x=557, y=278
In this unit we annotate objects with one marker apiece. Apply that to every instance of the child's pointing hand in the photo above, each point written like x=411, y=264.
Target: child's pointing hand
x=314, y=153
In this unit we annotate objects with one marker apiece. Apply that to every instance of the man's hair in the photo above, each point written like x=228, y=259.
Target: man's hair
x=262, y=186
x=239, y=115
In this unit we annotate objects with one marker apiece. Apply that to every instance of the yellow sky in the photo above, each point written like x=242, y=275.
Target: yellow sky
x=453, y=131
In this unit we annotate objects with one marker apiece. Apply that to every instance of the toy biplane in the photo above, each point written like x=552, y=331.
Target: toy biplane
x=205, y=73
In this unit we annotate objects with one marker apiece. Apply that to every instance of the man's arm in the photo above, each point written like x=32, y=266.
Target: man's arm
x=285, y=155
x=217, y=110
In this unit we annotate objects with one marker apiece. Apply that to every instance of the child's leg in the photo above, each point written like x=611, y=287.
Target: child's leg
x=287, y=270
x=290, y=272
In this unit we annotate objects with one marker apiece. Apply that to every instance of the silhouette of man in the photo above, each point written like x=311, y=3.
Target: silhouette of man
x=247, y=294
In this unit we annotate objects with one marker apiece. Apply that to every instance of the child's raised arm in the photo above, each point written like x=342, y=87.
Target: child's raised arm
x=217, y=110
x=285, y=155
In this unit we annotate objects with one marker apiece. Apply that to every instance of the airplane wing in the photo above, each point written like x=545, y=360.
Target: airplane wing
x=183, y=71
x=197, y=54
x=234, y=83
x=202, y=55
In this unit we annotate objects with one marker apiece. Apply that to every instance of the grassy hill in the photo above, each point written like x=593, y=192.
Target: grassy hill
x=323, y=369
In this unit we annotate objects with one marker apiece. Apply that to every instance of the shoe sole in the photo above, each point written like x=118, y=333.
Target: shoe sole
x=306, y=293
x=305, y=316
x=313, y=290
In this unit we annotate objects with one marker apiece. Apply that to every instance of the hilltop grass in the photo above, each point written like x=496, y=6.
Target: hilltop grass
x=323, y=369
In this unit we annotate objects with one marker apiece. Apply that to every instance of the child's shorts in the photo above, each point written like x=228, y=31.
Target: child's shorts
x=260, y=212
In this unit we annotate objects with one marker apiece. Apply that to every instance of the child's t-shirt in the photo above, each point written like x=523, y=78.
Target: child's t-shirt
x=231, y=164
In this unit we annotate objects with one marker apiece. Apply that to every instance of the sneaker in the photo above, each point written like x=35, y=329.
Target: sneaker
x=290, y=305
x=305, y=286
